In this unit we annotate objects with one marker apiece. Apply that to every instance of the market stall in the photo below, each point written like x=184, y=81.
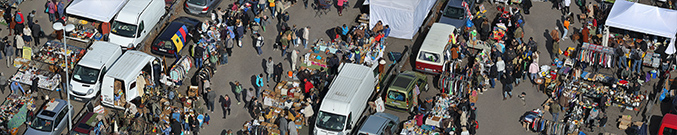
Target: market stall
x=52, y=53
x=438, y=112
x=47, y=79
x=92, y=18
x=15, y=108
x=285, y=100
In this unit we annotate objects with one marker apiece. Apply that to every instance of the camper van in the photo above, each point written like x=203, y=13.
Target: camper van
x=87, y=74
x=126, y=79
x=346, y=99
x=135, y=21
x=430, y=57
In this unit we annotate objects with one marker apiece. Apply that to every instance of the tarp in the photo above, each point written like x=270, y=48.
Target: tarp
x=99, y=10
x=644, y=18
x=404, y=16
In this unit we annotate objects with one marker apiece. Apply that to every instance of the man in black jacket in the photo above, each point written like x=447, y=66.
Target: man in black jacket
x=493, y=73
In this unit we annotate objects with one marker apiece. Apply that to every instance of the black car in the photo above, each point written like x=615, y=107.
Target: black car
x=175, y=36
x=455, y=14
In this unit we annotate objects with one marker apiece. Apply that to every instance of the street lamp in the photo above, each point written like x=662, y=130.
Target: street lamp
x=66, y=28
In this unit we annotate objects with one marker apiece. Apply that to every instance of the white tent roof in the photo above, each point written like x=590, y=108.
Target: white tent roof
x=644, y=18
x=99, y=10
x=404, y=16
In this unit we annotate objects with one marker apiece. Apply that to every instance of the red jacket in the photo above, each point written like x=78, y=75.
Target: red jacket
x=307, y=87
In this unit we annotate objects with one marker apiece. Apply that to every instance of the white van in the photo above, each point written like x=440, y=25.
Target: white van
x=87, y=74
x=430, y=57
x=124, y=83
x=135, y=21
x=346, y=99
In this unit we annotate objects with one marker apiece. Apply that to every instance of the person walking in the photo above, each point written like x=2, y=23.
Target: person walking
x=259, y=43
x=566, y=24
x=292, y=128
x=36, y=31
x=238, y=91
x=269, y=70
x=283, y=123
x=51, y=10
x=566, y=5
x=294, y=58
x=225, y=106
x=277, y=72
x=533, y=71
x=19, y=19
x=500, y=67
x=211, y=96
x=554, y=34
x=507, y=87
x=19, y=43
x=29, y=18
x=194, y=124
x=3, y=82
x=259, y=84
x=340, y=3
x=9, y=52
x=249, y=98
x=304, y=38
x=554, y=110
x=493, y=73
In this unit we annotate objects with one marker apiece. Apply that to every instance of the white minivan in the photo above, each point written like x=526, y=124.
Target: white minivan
x=124, y=82
x=346, y=99
x=135, y=21
x=430, y=58
x=87, y=74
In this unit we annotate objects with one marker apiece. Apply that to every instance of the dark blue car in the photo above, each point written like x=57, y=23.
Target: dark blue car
x=455, y=14
x=176, y=35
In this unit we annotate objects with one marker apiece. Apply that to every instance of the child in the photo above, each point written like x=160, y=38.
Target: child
x=522, y=96
x=206, y=118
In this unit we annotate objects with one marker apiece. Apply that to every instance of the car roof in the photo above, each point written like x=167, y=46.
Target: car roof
x=402, y=81
x=52, y=108
x=170, y=30
x=376, y=122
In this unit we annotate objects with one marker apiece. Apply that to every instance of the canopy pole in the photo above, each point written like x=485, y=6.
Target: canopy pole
x=605, y=38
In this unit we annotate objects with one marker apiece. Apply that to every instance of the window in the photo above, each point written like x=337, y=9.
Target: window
x=140, y=29
x=198, y=2
x=133, y=85
x=427, y=56
x=396, y=95
x=330, y=121
x=124, y=29
x=669, y=131
x=454, y=12
x=85, y=74
x=62, y=115
x=42, y=124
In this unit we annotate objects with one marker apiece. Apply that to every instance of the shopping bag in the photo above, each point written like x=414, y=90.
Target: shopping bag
x=663, y=94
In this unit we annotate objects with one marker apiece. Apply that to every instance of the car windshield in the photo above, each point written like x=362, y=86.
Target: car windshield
x=330, y=121
x=42, y=124
x=429, y=56
x=396, y=95
x=167, y=44
x=669, y=131
x=123, y=29
x=198, y=2
x=454, y=12
x=85, y=74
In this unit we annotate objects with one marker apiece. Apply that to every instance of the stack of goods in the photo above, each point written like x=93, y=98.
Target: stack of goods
x=48, y=80
x=314, y=59
x=14, y=111
x=652, y=59
x=52, y=53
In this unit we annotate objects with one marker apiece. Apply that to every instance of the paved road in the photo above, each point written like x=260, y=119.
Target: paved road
x=495, y=115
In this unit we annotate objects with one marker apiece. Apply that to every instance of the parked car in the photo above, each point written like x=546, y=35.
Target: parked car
x=455, y=14
x=175, y=36
x=401, y=93
x=668, y=125
x=200, y=7
x=380, y=124
x=86, y=125
x=51, y=119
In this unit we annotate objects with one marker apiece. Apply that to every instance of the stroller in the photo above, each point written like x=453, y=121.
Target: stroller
x=322, y=6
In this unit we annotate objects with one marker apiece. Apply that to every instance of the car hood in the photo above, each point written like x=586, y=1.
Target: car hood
x=80, y=87
x=31, y=131
x=452, y=21
x=120, y=40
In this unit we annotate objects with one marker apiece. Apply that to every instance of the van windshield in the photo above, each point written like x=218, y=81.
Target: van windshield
x=427, y=56
x=330, y=121
x=42, y=124
x=454, y=12
x=85, y=74
x=123, y=29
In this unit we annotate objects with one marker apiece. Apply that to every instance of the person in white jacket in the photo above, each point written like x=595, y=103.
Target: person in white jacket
x=259, y=43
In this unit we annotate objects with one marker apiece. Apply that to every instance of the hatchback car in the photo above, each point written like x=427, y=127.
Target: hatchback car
x=200, y=7
x=175, y=36
x=86, y=125
x=455, y=13
x=402, y=93
x=380, y=124
x=51, y=120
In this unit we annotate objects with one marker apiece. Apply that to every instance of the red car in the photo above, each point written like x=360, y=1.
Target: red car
x=668, y=125
x=86, y=125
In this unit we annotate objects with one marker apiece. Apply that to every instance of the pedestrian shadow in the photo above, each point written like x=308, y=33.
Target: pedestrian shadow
x=253, y=80
x=548, y=41
x=263, y=65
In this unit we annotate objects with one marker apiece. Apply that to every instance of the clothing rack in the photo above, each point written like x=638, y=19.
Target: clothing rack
x=455, y=84
x=596, y=55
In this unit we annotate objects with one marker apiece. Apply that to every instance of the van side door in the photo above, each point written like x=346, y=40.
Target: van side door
x=61, y=120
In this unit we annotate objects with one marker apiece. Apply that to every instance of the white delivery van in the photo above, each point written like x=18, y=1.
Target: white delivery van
x=346, y=99
x=135, y=21
x=430, y=57
x=124, y=82
x=87, y=74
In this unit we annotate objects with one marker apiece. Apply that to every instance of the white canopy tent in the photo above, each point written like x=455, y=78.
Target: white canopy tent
x=643, y=18
x=99, y=10
x=404, y=16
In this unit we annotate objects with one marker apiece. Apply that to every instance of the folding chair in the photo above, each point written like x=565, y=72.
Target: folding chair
x=321, y=6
